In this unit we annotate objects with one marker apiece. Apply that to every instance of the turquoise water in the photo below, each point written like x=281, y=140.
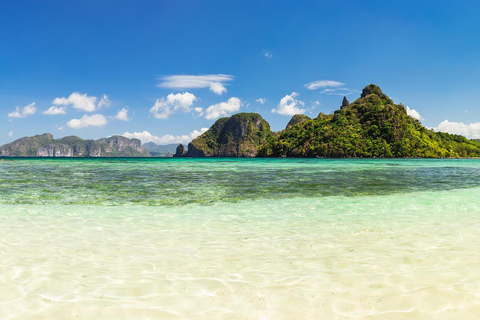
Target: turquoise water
x=205, y=181
x=239, y=239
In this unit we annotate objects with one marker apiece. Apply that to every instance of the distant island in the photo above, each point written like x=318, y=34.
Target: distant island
x=160, y=150
x=45, y=146
x=371, y=126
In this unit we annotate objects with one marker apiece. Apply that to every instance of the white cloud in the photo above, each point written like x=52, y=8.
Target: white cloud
x=23, y=112
x=413, y=113
x=261, y=100
x=223, y=108
x=104, y=102
x=82, y=102
x=122, y=115
x=215, y=82
x=323, y=84
x=146, y=136
x=288, y=105
x=55, y=110
x=96, y=120
x=180, y=102
x=470, y=130
x=317, y=103
x=267, y=54
x=10, y=134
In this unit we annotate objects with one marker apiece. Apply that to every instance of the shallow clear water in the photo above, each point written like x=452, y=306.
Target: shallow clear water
x=239, y=239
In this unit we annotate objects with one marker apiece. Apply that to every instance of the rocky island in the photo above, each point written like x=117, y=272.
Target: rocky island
x=240, y=135
x=371, y=126
x=45, y=145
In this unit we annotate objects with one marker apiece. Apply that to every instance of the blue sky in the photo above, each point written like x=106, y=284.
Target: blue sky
x=170, y=68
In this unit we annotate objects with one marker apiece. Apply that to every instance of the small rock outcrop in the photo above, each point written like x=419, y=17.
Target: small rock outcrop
x=298, y=118
x=45, y=146
x=240, y=135
x=345, y=103
x=181, y=152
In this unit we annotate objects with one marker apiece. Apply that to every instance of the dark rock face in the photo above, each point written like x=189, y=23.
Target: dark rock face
x=240, y=135
x=345, y=103
x=45, y=146
x=181, y=152
x=298, y=118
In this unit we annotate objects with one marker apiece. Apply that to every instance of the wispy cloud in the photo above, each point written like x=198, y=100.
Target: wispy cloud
x=223, y=109
x=26, y=111
x=174, y=103
x=267, y=54
x=10, y=134
x=331, y=87
x=323, y=84
x=469, y=130
x=289, y=105
x=96, y=120
x=146, y=136
x=261, y=100
x=340, y=92
x=215, y=82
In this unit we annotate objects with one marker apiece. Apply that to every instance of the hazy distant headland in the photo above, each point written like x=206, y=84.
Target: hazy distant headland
x=45, y=146
x=371, y=126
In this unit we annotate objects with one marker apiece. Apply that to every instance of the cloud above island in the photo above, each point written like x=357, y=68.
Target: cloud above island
x=330, y=87
x=174, y=103
x=82, y=102
x=314, y=85
x=289, y=105
x=223, y=109
x=469, y=130
x=96, y=120
x=146, y=136
x=413, y=113
x=26, y=111
x=215, y=82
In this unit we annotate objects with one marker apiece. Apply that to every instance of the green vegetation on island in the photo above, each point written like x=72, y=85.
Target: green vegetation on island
x=371, y=126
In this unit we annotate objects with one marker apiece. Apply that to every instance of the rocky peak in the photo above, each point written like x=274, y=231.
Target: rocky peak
x=371, y=89
x=345, y=103
x=298, y=118
x=181, y=152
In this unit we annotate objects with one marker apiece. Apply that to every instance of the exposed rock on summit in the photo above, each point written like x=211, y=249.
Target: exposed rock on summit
x=298, y=118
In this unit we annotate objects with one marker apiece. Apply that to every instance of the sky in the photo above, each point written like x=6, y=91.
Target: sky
x=164, y=71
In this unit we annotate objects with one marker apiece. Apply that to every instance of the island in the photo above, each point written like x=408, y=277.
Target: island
x=45, y=145
x=371, y=126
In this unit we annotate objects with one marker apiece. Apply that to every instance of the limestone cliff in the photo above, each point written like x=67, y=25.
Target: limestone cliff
x=45, y=146
x=240, y=135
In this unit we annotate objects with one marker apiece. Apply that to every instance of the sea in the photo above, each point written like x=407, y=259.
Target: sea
x=220, y=238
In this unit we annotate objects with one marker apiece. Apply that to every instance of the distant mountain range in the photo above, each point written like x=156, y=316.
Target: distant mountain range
x=159, y=150
x=72, y=146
